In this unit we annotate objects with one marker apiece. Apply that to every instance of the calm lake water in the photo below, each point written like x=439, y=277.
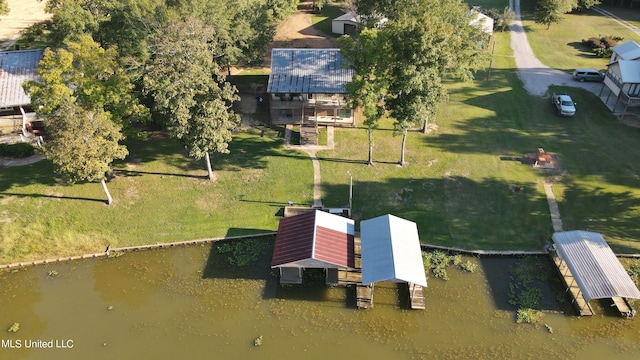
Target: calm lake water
x=190, y=303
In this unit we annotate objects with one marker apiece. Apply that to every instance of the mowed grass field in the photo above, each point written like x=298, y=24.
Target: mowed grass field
x=561, y=47
x=458, y=187
x=160, y=195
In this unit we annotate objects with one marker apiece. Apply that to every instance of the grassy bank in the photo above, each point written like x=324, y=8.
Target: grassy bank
x=460, y=183
x=462, y=186
x=160, y=195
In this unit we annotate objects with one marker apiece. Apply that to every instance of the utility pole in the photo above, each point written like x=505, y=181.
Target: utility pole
x=350, y=192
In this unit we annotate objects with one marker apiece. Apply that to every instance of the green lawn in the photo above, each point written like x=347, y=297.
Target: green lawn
x=458, y=185
x=160, y=195
x=632, y=15
x=322, y=21
x=561, y=47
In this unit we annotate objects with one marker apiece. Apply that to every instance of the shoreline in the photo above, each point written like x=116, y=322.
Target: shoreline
x=424, y=247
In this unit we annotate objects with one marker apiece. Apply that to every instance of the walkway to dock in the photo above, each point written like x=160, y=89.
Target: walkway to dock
x=312, y=150
x=556, y=221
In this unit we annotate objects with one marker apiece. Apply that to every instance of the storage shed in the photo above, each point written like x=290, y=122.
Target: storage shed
x=345, y=24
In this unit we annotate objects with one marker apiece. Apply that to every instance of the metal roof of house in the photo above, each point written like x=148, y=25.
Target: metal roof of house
x=16, y=68
x=308, y=71
x=629, y=50
x=391, y=251
x=594, y=266
x=629, y=71
x=315, y=239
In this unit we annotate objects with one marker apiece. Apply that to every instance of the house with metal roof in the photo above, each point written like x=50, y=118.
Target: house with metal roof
x=314, y=239
x=17, y=67
x=591, y=270
x=307, y=87
x=622, y=80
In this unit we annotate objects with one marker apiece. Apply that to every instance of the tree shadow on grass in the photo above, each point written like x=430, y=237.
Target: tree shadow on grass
x=130, y=173
x=35, y=196
x=40, y=173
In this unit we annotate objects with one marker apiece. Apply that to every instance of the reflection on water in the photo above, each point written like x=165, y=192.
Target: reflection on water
x=189, y=301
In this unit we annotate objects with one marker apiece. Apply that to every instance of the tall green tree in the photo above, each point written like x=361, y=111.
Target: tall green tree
x=189, y=89
x=73, y=18
x=507, y=17
x=424, y=41
x=91, y=77
x=83, y=144
x=549, y=12
x=129, y=29
x=366, y=90
x=281, y=9
x=587, y=4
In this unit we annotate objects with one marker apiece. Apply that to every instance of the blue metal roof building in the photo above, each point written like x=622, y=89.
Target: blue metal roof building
x=17, y=67
x=315, y=71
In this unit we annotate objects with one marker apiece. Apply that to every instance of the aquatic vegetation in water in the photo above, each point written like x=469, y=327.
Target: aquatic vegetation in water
x=522, y=292
x=437, y=261
x=634, y=271
x=115, y=254
x=243, y=252
x=469, y=266
x=52, y=273
x=528, y=316
x=14, y=328
x=257, y=341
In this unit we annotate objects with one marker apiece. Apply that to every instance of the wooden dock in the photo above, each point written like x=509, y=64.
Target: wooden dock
x=582, y=306
x=364, y=296
x=416, y=296
x=623, y=306
x=353, y=276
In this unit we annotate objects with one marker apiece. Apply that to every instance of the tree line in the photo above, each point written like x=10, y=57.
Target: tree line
x=401, y=54
x=115, y=64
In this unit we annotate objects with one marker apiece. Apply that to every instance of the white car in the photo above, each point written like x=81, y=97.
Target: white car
x=564, y=104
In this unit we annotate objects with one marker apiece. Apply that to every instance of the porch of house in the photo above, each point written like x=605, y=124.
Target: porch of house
x=626, y=108
x=311, y=112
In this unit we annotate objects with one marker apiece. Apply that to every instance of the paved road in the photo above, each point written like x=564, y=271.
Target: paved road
x=535, y=76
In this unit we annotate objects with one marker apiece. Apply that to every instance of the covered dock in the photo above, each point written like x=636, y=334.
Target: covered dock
x=591, y=270
x=313, y=239
x=391, y=252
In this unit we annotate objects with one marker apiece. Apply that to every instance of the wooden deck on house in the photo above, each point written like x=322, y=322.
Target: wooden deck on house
x=582, y=306
x=416, y=296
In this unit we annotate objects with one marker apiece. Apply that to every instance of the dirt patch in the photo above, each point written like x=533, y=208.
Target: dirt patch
x=23, y=13
x=297, y=31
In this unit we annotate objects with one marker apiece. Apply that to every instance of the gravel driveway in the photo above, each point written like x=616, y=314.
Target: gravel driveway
x=535, y=76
